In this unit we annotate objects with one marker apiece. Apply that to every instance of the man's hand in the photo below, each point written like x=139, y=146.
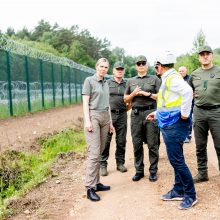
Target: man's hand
x=136, y=91
x=195, y=95
x=150, y=117
x=183, y=117
x=128, y=105
x=147, y=94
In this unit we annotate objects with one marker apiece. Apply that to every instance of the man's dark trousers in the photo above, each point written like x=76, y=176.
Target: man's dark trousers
x=119, y=121
x=144, y=131
x=205, y=120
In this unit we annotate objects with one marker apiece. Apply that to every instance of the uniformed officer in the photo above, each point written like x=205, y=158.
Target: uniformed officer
x=142, y=90
x=205, y=82
x=119, y=120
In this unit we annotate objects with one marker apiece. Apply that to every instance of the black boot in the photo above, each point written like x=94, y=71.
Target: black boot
x=91, y=194
x=138, y=176
x=153, y=177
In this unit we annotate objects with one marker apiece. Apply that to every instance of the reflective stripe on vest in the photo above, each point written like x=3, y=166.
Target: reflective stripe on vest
x=163, y=101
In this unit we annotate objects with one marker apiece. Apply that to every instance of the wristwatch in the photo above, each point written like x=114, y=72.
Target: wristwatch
x=150, y=94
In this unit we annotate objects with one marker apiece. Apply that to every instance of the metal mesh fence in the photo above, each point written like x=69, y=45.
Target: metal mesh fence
x=30, y=83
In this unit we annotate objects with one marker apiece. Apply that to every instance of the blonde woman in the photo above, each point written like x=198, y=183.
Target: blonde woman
x=97, y=124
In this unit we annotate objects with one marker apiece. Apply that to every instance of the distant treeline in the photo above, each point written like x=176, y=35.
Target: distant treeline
x=83, y=48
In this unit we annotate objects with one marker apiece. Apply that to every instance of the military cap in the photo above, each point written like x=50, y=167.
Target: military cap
x=140, y=58
x=119, y=64
x=205, y=48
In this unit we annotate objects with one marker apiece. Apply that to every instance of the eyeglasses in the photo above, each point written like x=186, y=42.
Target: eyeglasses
x=142, y=63
x=119, y=68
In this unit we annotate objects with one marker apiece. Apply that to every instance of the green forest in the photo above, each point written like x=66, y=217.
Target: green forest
x=83, y=48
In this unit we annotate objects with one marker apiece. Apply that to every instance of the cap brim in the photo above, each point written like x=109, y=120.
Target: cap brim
x=205, y=51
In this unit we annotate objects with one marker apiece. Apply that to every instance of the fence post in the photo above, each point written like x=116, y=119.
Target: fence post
x=61, y=72
x=28, y=83
x=69, y=85
x=75, y=74
x=80, y=76
x=42, y=83
x=9, y=83
x=53, y=87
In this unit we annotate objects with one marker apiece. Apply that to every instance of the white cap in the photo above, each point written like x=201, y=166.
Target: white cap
x=166, y=58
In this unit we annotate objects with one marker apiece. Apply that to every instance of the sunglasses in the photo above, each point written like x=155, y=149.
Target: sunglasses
x=143, y=63
x=119, y=68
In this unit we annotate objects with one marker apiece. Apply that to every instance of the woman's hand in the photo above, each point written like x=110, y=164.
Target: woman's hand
x=88, y=126
x=111, y=128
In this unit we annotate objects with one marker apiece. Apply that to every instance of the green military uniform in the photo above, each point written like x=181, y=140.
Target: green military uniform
x=141, y=129
x=119, y=120
x=206, y=112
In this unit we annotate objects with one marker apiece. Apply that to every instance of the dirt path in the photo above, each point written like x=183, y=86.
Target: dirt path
x=63, y=196
x=141, y=200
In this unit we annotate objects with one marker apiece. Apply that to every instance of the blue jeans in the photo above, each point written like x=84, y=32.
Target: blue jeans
x=174, y=136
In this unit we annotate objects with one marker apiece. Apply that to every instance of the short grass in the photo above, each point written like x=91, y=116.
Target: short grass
x=21, y=108
x=19, y=172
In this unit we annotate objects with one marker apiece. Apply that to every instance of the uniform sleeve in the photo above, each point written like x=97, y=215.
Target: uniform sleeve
x=86, y=87
x=127, y=88
x=183, y=89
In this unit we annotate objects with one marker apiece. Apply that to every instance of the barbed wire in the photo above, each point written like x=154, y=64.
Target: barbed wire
x=22, y=49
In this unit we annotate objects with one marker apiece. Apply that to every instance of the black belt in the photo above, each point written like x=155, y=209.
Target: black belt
x=208, y=107
x=148, y=107
x=118, y=111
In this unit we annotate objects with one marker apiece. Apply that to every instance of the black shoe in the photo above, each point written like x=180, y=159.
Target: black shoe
x=101, y=187
x=138, y=176
x=153, y=177
x=91, y=194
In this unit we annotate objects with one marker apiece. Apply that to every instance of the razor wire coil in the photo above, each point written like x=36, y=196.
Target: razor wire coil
x=22, y=49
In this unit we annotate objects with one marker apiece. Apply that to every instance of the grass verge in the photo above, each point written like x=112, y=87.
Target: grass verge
x=19, y=172
x=21, y=108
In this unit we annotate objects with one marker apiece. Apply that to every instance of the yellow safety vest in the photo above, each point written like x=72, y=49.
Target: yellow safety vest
x=164, y=101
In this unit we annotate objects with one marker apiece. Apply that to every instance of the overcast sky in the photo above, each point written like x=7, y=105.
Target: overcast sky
x=139, y=26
